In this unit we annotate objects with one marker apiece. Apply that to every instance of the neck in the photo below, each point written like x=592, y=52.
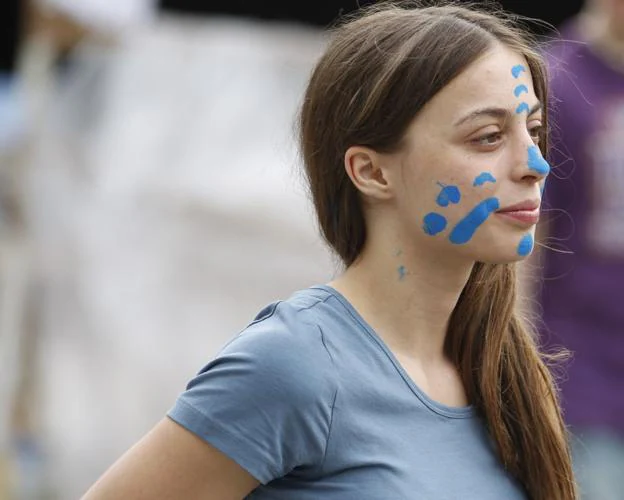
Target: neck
x=406, y=297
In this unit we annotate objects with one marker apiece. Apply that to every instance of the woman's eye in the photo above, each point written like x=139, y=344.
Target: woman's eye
x=489, y=139
x=535, y=132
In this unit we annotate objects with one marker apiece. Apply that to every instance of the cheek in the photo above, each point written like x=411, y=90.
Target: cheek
x=459, y=210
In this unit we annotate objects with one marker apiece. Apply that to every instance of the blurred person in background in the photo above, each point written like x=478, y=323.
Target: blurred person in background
x=583, y=276
x=24, y=23
x=14, y=430
x=11, y=105
x=409, y=375
x=163, y=208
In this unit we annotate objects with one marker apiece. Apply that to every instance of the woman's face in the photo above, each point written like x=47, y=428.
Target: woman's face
x=471, y=172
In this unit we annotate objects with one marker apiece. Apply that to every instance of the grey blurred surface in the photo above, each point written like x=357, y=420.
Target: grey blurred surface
x=164, y=208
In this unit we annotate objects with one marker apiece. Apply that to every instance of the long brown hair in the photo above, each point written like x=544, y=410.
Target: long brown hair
x=378, y=71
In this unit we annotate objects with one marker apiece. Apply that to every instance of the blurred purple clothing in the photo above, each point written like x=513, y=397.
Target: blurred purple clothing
x=583, y=293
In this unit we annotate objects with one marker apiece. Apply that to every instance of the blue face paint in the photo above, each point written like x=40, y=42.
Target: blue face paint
x=516, y=70
x=542, y=187
x=521, y=88
x=537, y=162
x=526, y=245
x=523, y=106
x=465, y=228
x=483, y=178
x=434, y=223
x=402, y=271
x=449, y=194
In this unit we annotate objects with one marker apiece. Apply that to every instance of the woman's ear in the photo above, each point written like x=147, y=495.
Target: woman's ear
x=365, y=168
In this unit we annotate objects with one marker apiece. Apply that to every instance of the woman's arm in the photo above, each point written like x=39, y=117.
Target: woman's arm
x=171, y=463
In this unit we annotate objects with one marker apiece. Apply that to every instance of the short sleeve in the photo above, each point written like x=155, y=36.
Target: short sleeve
x=266, y=400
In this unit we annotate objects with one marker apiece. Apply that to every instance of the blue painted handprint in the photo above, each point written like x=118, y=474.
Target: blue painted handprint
x=434, y=223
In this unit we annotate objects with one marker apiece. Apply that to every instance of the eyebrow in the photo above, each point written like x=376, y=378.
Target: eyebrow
x=500, y=113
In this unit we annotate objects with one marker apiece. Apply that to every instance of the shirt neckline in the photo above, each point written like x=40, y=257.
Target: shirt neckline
x=431, y=404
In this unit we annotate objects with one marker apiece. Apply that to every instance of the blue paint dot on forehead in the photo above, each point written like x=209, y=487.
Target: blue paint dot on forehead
x=449, y=194
x=523, y=106
x=517, y=69
x=465, y=228
x=526, y=245
x=434, y=223
x=483, y=178
x=537, y=162
x=521, y=88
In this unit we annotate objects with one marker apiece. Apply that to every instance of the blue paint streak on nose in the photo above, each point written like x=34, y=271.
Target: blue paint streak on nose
x=434, y=223
x=537, y=162
x=517, y=69
x=523, y=106
x=483, y=178
x=449, y=194
x=526, y=245
x=521, y=88
x=465, y=228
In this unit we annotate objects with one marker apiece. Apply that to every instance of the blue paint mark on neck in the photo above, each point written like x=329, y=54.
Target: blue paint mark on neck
x=523, y=106
x=525, y=247
x=521, y=88
x=465, y=228
x=517, y=69
x=537, y=162
x=402, y=271
x=434, y=223
x=483, y=178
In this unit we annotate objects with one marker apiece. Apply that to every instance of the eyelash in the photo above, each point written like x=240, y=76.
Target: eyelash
x=535, y=132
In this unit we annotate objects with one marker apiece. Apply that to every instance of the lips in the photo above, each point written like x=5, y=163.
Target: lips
x=524, y=206
x=525, y=213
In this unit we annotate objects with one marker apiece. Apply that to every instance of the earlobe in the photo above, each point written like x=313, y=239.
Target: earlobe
x=364, y=168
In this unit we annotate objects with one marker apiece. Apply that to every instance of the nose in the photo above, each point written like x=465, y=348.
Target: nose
x=532, y=167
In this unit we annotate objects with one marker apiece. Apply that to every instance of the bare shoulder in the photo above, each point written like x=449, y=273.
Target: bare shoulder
x=170, y=462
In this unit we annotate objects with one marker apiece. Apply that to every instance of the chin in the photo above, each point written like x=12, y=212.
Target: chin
x=503, y=258
x=505, y=250
x=504, y=255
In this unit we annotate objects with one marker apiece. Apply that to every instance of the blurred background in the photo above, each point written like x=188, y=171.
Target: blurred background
x=151, y=202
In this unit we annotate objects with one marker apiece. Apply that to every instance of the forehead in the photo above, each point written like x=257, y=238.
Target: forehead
x=489, y=81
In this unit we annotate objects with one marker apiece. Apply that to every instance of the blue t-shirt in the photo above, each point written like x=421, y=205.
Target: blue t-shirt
x=311, y=402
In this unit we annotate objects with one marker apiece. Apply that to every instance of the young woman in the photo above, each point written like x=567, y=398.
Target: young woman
x=410, y=376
